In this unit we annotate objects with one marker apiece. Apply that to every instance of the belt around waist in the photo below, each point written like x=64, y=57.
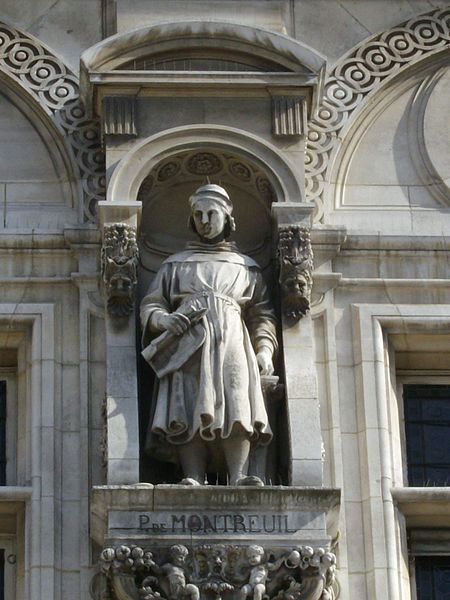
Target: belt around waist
x=209, y=295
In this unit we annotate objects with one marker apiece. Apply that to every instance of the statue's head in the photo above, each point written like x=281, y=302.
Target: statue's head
x=211, y=210
x=255, y=554
x=178, y=554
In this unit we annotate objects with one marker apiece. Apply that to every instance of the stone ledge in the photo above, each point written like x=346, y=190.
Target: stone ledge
x=424, y=506
x=12, y=505
x=318, y=507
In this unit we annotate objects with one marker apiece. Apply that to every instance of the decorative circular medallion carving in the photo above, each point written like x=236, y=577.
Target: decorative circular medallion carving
x=264, y=188
x=240, y=171
x=204, y=163
x=168, y=170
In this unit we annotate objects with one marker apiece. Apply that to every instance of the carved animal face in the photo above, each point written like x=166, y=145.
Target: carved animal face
x=217, y=560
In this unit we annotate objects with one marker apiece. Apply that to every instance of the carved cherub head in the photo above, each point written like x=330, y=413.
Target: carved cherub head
x=255, y=555
x=178, y=554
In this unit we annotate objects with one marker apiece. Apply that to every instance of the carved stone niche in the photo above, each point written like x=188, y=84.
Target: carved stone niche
x=168, y=542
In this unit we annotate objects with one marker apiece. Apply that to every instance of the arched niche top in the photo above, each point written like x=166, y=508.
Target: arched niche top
x=132, y=169
x=119, y=49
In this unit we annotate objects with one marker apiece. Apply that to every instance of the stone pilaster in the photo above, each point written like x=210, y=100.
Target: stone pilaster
x=293, y=222
x=119, y=223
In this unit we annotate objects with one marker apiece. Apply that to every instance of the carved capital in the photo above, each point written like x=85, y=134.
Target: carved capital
x=215, y=571
x=296, y=265
x=119, y=268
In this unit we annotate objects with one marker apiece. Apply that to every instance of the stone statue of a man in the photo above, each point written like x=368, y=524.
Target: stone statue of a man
x=208, y=306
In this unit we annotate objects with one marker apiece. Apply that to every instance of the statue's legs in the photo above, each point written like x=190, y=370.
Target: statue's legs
x=193, y=457
x=236, y=449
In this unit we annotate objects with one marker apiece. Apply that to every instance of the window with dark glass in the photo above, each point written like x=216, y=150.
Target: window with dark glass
x=2, y=432
x=427, y=429
x=433, y=577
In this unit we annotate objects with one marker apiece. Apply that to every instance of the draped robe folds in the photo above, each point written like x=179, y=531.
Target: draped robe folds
x=218, y=389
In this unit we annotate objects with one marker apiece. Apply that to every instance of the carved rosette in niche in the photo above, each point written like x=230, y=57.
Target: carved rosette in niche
x=199, y=167
x=204, y=163
x=215, y=572
x=296, y=265
x=119, y=268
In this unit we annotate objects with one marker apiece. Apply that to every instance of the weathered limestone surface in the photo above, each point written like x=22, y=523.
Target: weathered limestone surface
x=375, y=177
x=216, y=529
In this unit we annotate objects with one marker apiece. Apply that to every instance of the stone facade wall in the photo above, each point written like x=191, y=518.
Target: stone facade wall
x=374, y=165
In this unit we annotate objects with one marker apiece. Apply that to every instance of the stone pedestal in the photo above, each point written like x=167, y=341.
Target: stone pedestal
x=213, y=541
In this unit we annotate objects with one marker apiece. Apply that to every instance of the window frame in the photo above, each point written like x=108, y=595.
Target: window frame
x=9, y=375
x=411, y=377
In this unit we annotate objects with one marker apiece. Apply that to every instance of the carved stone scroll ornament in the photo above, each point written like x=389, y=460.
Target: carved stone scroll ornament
x=215, y=572
x=296, y=264
x=119, y=268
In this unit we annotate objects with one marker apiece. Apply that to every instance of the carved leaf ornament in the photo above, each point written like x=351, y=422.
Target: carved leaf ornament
x=44, y=77
x=356, y=77
x=215, y=571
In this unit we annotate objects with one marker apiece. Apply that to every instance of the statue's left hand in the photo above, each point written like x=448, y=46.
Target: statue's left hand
x=264, y=358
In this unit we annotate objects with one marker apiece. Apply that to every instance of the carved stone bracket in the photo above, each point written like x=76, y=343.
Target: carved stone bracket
x=215, y=571
x=119, y=268
x=289, y=115
x=119, y=115
x=296, y=265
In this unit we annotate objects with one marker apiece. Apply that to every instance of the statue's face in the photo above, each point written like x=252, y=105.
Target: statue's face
x=209, y=219
x=254, y=557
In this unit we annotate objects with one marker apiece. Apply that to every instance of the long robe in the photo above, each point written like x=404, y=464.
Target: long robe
x=218, y=389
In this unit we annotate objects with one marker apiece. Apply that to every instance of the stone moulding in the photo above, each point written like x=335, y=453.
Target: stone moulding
x=292, y=57
x=30, y=66
x=355, y=78
x=296, y=264
x=119, y=268
x=215, y=571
